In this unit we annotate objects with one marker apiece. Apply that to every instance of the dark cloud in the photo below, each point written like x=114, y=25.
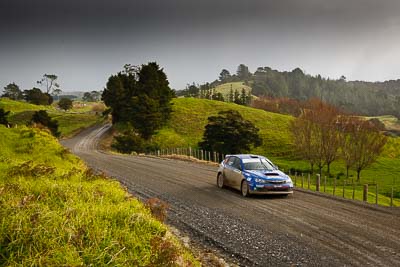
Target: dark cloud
x=98, y=36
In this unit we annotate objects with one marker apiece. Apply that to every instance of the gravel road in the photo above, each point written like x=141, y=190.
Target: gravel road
x=300, y=230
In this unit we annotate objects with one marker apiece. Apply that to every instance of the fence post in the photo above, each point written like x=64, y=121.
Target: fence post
x=158, y=153
x=376, y=193
x=318, y=182
x=302, y=180
x=295, y=178
x=344, y=187
x=334, y=186
x=209, y=156
x=324, y=183
x=391, y=198
x=365, y=193
x=308, y=181
x=354, y=189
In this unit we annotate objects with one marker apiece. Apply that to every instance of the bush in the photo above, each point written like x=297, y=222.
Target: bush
x=65, y=103
x=41, y=117
x=128, y=143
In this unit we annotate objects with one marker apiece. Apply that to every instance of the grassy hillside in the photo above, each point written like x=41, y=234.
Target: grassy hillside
x=225, y=88
x=190, y=115
x=70, y=122
x=55, y=212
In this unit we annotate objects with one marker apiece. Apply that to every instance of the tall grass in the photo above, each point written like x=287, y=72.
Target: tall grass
x=56, y=212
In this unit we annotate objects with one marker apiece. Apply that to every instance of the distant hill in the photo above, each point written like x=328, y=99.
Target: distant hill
x=225, y=88
x=358, y=97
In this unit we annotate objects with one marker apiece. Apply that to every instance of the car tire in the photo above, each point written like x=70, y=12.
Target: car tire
x=220, y=180
x=245, y=189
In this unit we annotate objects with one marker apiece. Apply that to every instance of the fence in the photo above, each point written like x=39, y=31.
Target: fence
x=346, y=188
x=349, y=189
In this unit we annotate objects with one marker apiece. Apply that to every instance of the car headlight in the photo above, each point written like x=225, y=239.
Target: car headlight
x=258, y=180
x=288, y=180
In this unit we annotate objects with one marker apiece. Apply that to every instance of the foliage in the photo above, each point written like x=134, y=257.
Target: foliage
x=65, y=103
x=41, y=117
x=65, y=215
x=49, y=83
x=13, y=92
x=128, y=143
x=140, y=96
x=361, y=143
x=229, y=133
x=3, y=116
x=92, y=96
x=37, y=97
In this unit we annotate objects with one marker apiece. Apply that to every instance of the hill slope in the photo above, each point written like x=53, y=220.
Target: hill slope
x=225, y=88
x=190, y=116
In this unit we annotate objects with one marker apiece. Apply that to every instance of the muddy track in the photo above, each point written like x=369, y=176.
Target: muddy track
x=303, y=229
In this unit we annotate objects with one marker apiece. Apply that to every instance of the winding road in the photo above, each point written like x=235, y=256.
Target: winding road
x=304, y=229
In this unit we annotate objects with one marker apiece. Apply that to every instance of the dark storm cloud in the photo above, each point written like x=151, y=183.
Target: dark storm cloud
x=93, y=38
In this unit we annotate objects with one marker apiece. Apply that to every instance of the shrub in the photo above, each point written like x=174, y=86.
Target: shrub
x=41, y=117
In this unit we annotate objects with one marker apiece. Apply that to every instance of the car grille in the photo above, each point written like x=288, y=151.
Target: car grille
x=277, y=182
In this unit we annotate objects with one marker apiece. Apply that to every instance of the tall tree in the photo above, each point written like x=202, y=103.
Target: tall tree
x=224, y=76
x=49, y=83
x=316, y=134
x=224, y=134
x=362, y=143
x=142, y=98
x=243, y=72
x=13, y=92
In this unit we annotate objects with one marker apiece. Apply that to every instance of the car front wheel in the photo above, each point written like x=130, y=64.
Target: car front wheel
x=245, y=188
x=220, y=180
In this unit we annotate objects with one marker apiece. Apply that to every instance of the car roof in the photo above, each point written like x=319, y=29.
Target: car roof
x=246, y=156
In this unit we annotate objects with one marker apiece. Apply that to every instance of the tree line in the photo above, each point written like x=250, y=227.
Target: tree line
x=323, y=135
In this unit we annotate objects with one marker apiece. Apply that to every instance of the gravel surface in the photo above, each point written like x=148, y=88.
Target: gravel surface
x=300, y=230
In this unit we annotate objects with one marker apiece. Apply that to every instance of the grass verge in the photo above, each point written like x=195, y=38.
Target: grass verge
x=56, y=212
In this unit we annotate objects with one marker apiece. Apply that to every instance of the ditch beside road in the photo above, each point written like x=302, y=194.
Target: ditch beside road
x=303, y=229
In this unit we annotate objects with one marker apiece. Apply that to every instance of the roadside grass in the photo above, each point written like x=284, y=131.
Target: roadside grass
x=225, y=88
x=56, y=212
x=70, y=122
x=189, y=117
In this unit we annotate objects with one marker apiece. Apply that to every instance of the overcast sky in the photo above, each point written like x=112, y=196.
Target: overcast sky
x=84, y=42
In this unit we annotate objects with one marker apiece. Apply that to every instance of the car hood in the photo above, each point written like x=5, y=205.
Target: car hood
x=269, y=175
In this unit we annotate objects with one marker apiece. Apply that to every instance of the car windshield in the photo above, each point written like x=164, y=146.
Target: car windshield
x=257, y=164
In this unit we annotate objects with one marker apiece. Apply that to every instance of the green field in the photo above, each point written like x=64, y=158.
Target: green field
x=56, y=212
x=190, y=115
x=70, y=122
x=225, y=88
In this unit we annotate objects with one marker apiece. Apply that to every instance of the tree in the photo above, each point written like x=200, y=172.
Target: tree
x=230, y=133
x=141, y=97
x=243, y=72
x=243, y=97
x=88, y=97
x=224, y=76
x=361, y=143
x=49, y=83
x=13, y=92
x=41, y=117
x=65, y=103
x=37, y=97
x=316, y=135
x=236, y=98
x=3, y=116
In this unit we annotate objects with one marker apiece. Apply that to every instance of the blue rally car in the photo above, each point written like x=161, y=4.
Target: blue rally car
x=252, y=174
